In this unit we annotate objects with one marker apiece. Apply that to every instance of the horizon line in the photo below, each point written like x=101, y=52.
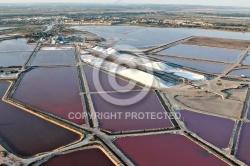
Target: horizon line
x=113, y=3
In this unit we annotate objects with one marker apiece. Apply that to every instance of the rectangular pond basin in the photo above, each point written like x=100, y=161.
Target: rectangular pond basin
x=93, y=157
x=52, y=90
x=106, y=105
x=247, y=60
x=165, y=149
x=204, y=53
x=14, y=58
x=240, y=72
x=248, y=116
x=54, y=57
x=26, y=134
x=16, y=45
x=99, y=81
x=244, y=146
x=197, y=65
x=215, y=130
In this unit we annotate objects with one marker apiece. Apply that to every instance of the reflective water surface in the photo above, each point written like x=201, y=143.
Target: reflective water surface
x=14, y=58
x=27, y=134
x=16, y=45
x=240, y=72
x=126, y=122
x=213, y=129
x=165, y=149
x=244, y=145
x=54, y=57
x=205, y=53
x=52, y=90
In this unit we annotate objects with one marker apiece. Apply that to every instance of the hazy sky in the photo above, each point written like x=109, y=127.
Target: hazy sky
x=244, y=3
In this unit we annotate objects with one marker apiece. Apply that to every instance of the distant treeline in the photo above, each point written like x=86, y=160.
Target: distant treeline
x=230, y=24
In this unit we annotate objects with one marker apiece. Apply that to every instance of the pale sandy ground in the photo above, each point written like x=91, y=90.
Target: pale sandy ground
x=143, y=78
x=219, y=42
x=237, y=94
x=214, y=105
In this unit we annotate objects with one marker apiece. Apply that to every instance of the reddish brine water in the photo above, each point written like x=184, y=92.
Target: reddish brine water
x=16, y=45
x=240, y=72
x=14, y=58
x=126, y=121
x=54, y=57
x=165, y=149
x=52, y=90
x=244, y=144
x=91, y=157
x=248, y=113
x=27, y=134
x=202, y=52
x=103, y=78
x=213, y=129
x=197, y=65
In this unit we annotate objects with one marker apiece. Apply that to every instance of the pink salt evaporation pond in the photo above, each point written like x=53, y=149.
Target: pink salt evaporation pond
x=166, y=149
x=244, y=145
x=215, y=130
x=125, y=121
x=26, y=134
x=52, y=90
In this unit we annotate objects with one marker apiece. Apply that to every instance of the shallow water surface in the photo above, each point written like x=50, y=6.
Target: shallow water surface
x=165, y=149
x=240, y=72
x=148, y=36
x=204, y=53
x=126, y=122
x=52, y=90
x=247, y=60
x=14, y=58
x=27, y=134
x=248, y=113
x=54, y=57
x=15, y=45
x=213, y=129
x=244, y=145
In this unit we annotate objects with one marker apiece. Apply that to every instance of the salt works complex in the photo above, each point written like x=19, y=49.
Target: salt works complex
x=126, y=95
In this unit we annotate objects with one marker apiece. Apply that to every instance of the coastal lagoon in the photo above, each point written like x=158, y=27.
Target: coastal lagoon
x=147, y=36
